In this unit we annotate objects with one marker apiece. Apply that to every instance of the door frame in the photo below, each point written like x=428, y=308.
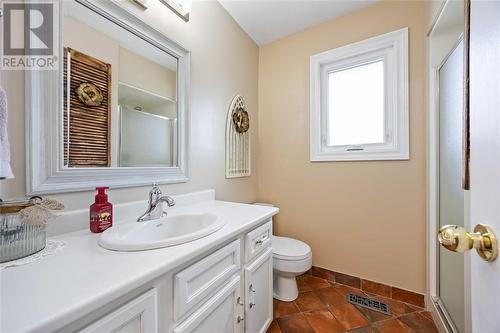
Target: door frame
x=441, y=317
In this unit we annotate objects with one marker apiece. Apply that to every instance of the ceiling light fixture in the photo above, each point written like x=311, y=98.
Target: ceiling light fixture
x=180, y=7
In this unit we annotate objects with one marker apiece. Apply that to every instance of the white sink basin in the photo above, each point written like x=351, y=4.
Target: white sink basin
x=163, y=232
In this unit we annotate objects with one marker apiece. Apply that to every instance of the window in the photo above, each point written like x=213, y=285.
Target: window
x=353, y=120
x=359, y=100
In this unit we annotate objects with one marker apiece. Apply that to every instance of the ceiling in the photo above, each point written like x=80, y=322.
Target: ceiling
x=268, y=20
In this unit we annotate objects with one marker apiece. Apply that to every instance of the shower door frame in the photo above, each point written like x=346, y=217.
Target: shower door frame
x=433, y=302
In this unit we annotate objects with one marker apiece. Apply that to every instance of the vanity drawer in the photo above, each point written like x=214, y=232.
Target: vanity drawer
x=138, y=315
x=258, y=240
x=205, y=277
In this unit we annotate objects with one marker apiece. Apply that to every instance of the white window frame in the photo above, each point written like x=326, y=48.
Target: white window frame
x=392, y=48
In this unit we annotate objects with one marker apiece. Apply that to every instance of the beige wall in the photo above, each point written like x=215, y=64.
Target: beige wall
x=366, y=219
x=224, y=61
x=361, y=218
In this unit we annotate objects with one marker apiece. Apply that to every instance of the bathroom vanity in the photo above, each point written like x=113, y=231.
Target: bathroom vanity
x=218, y=283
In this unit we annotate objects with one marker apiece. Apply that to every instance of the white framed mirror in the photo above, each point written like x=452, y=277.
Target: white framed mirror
x=115, y=110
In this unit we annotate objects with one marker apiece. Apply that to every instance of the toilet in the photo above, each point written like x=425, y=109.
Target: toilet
x=291, y=258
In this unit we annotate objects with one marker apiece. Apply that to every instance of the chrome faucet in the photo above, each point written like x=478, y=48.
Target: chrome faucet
x=155, y=205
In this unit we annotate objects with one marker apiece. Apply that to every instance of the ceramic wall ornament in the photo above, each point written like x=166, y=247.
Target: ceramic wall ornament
x=238, y=140
x=89, y=94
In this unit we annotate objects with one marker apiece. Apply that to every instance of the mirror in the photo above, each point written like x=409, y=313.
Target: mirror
x=119, y=95
x=115, y=111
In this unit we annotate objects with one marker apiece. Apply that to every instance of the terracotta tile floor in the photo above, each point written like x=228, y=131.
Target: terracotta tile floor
x=322, y=307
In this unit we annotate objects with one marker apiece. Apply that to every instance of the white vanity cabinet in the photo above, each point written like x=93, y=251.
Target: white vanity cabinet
x=221, y=313
x=200, y=281
x=137, y=316
x=258, y=293
x=229, y=290
x=258, y=272
x=207, y=293
x=216, y=284
x=225, y=296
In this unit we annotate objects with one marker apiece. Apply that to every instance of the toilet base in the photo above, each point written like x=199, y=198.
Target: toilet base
x=285, y=288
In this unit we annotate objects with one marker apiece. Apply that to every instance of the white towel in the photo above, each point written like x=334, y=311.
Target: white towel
x=5, y=170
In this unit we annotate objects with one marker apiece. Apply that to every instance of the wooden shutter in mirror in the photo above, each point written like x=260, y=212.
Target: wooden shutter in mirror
x=87, y=128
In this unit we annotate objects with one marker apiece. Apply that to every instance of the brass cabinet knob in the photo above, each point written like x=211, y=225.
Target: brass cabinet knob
x=457, y=239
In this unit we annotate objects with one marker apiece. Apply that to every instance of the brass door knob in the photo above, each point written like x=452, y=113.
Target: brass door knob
x=457, y=239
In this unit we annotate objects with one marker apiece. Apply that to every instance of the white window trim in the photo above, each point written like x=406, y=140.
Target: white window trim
x=392, y=47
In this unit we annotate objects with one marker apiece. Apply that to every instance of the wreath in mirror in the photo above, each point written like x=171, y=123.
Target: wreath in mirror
x=241, y=120
x=89, y=94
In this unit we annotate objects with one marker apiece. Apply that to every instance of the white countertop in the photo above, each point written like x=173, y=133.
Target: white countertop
x=55, y=291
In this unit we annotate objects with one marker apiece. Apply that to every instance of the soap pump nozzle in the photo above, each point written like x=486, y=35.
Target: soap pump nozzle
x=101, y=196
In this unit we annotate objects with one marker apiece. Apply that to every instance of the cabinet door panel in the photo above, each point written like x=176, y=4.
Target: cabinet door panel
x=218, y=315
x=137, y=316
x=259, y=293
x=203, y=278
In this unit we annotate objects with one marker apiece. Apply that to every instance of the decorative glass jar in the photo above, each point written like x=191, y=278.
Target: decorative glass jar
x=18, y=239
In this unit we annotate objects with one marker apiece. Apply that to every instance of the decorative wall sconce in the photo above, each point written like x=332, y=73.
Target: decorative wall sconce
x=238, y=155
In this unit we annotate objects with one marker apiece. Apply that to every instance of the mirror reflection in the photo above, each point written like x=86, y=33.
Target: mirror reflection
x=120, y=96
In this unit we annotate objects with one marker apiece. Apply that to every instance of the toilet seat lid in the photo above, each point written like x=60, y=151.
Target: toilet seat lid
x=290, y=249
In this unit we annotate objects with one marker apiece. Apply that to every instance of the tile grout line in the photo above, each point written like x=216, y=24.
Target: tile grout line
x=370, y=323
x=378, y=295
x=414, y=310
x=397, y=317
x=368, y=320
x=333, y=274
